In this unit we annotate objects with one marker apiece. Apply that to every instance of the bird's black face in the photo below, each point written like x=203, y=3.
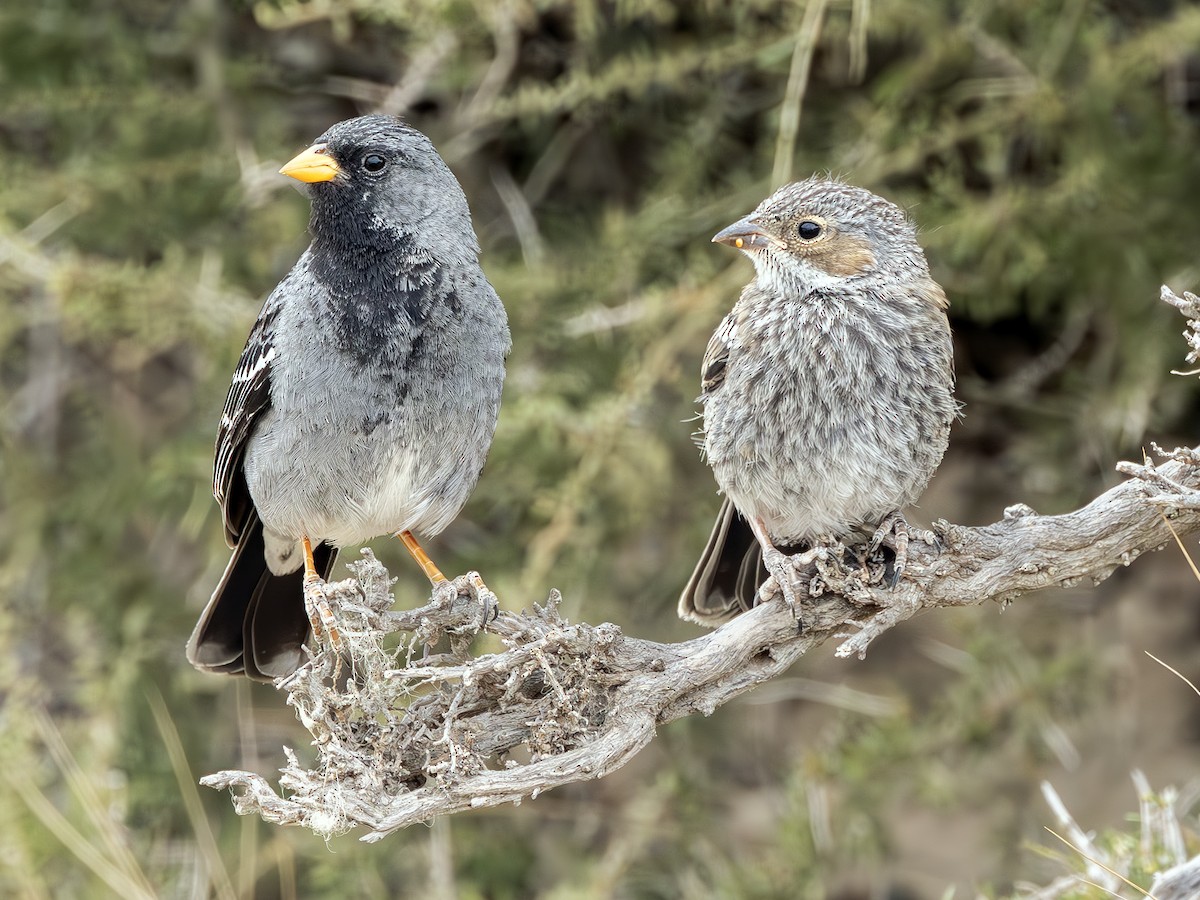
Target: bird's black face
x=373, y=179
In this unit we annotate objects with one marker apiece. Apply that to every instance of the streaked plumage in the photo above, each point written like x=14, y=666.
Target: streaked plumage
x=827, y=390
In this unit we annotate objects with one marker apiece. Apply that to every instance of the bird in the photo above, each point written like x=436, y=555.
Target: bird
x=366, y=398
x=827, y=391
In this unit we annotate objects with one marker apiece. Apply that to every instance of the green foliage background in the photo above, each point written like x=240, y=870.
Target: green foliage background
x=1050, y=153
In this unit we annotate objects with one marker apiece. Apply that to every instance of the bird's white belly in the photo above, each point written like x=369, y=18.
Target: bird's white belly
x=389, y=500
x=348, y=502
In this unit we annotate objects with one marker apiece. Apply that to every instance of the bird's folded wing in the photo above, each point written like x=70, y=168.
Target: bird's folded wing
x=249, y=397
x=716, y=356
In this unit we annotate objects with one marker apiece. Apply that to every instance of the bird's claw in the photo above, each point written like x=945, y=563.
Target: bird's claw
x=444, y=592
x=784, y=574
x=896, y=533
x=882, y=532
x=473, y=586
x=478, y=591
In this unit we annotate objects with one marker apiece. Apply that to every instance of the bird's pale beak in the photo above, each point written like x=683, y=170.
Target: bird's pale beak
x=313, y=165
x=744, y=234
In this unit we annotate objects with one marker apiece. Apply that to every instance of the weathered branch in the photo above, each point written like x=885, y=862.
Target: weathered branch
x=406, y=742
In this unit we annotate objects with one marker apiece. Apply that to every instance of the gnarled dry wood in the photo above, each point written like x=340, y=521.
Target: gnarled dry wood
x=400, y=743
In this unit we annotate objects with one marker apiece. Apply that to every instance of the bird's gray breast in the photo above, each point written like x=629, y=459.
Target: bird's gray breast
x=384, y=400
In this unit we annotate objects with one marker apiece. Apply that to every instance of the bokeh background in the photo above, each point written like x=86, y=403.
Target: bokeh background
x=1050, y=153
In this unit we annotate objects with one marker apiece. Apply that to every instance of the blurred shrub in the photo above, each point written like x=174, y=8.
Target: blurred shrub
x=1048, y=151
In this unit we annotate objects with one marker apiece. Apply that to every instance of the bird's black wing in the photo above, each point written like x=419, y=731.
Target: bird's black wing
x=716, y=356
x=249, y=397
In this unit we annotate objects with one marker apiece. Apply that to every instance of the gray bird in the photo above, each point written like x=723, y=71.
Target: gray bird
x=827, y=390
x=366, y=398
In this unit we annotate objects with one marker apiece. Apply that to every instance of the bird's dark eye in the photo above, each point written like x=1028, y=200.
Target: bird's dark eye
x=808, y=230
x=374, y=163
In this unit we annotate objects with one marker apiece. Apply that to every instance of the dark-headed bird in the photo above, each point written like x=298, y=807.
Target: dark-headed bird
x=366, y=398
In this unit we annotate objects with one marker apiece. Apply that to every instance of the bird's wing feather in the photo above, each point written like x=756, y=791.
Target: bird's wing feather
x=716, y=356
x=249, y=397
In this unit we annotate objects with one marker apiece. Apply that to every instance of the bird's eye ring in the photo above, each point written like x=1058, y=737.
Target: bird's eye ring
x=374, y=163
x=808, y=230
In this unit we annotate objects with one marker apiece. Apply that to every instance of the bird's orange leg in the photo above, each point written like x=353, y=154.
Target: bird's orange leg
x=310, y=565
x=320, y=615
x=476, y=588
x=432, y=572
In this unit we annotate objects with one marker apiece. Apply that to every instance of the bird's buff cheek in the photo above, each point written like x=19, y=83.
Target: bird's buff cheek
x=843, y=256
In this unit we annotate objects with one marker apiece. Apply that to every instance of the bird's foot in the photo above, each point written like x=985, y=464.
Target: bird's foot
x=316, y=601
x=789, y=576
x=417, y=552
x=447, y=593
x=473, y=586
x=320, y=613
x=444, y=593
x=894, y=532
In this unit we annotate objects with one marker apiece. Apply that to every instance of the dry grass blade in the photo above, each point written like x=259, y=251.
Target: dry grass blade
x=74, y=840
x=249, y=858
x=1174, y=671
x=191, y=798
x=84, y=790
x=797, y=85
x=1096, y=862
x=1182, y=548
x=1100, y=887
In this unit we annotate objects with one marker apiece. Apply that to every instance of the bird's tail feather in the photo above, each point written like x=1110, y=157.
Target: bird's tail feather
x=728, y=575
x=253, y=610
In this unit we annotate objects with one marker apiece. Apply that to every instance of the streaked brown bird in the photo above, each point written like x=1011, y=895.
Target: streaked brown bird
x=827, y=390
